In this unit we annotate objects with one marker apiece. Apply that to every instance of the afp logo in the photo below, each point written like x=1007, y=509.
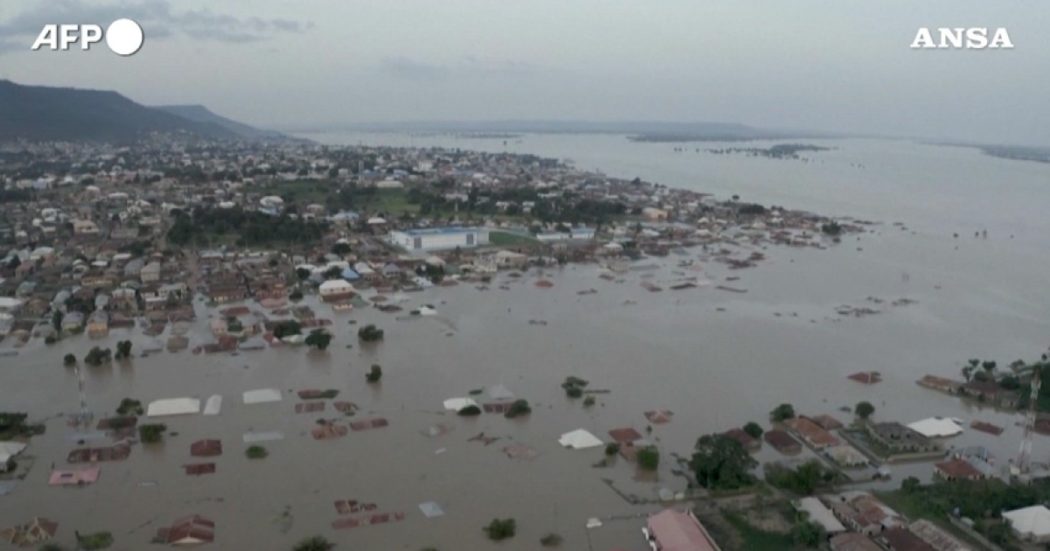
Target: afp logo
x=123, y=36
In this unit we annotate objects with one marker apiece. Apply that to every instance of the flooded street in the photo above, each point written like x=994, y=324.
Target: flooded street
x=717, y=359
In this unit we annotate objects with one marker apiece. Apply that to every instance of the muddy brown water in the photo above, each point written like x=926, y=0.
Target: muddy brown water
x=717, y=359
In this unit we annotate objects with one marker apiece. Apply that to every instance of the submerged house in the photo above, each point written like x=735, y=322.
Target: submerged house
x=671, y=530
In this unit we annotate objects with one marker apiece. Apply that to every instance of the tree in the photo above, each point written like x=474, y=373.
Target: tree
x=864, y=410
x=319, y=339
x=649, y=458
x=721, y=463
x=989, y=367
x=56, y=320
x=98, y=356
x=574, y=386
x=123, y=350
x=501, y=529
x=967, y=372
x=518, y=407
x=753, y=429
x=286, y=328
x=152, y=433
x=807, y=533
x=803, y=480
x=783, y=412
x=69, y=360
x=910, y=485
x=374, y=374
x=302, y=273
x=370, y=333
x=129, y=406
x=341, y=248
x=256, y=452
x=295, y=295
x=315, y=543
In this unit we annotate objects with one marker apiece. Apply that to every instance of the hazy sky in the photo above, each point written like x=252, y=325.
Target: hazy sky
x=814, y=64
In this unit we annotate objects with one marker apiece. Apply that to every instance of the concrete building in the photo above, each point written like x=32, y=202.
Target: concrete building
x=431, y=239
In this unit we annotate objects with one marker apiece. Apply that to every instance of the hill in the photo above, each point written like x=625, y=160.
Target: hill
x=201, y=114
x=45, y=113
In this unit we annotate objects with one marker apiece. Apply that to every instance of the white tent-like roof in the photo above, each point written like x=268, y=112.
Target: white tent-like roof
x=262, y=396
x=456, y=404
x=214, y=405
x=1031, y=522
x=936, y=427
x=579, y=439
x=173, y=406
x=9, y=450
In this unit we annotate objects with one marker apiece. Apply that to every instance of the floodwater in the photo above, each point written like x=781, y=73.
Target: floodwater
x=716, y=359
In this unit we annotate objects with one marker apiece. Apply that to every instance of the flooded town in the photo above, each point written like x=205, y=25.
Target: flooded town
x=278, y=342
x=518, y=276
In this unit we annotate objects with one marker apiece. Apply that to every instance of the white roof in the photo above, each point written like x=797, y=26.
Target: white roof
x=262, y=395
x=1033, y=521
x=173, y=406
x=820, y=514
x=214, y=405
x=579, y=439
x=336, y=285
x=456, y=404
x=936, y=427
x=9, y=450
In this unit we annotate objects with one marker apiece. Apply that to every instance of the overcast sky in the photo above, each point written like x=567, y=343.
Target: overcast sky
x=808, y=64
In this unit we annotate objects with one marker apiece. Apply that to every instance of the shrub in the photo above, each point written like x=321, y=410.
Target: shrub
x=123, y=350
x=98, y=540
x=469, y=411
x=98, y=356
x=316, y=543
x=152, y=433
x=864, y=410
x=287, y=328
x=319, y=339
x=753, y=429
x=129, y=406
x=783, y=412
x=370, y=333
x=550, y=540
x=501, y=529
x=519, y=407
x=649, y=458
x=612, y=448
x=256, y=452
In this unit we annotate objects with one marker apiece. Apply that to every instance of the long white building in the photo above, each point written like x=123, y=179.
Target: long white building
x=432, y=239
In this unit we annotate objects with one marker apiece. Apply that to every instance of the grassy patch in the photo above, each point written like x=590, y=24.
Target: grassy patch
x=507, y=239
x=759, y=540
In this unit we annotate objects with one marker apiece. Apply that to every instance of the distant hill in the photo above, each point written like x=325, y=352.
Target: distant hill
x=201, y=114
x=44, y=113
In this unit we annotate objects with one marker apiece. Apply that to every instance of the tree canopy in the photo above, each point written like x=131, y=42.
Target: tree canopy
x=721, y=463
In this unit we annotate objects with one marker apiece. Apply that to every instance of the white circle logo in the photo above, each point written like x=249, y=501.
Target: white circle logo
x=124, y=37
